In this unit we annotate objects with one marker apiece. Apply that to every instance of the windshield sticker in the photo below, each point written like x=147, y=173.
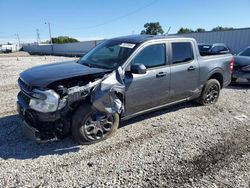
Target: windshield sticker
x=127, y=45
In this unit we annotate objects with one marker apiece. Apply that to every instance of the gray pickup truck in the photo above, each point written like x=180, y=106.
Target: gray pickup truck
x=119, y=79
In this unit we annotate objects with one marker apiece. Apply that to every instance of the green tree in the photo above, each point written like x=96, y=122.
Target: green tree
x=200, y=30
x=220, y=28
x=184, y=30
x=152, y=28
x=63, y=39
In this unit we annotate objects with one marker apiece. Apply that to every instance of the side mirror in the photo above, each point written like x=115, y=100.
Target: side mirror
x=138, y=69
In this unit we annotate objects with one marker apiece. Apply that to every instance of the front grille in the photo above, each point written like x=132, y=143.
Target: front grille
x=25, y=97
x=26, y=91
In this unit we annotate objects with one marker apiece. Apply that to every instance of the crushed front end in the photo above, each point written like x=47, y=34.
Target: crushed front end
x=47, y=113
x=41, y=112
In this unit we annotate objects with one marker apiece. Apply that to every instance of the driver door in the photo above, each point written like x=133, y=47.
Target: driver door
x=145, y=91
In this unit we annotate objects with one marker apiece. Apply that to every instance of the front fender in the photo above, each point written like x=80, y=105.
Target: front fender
x=105, y=96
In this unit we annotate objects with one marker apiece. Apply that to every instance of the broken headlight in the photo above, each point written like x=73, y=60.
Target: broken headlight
x=44, y=101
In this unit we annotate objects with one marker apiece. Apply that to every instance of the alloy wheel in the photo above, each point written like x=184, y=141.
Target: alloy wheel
x=98, y=126
x=212, y=94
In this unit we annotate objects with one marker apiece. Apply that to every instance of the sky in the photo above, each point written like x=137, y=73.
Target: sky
x=95, y=19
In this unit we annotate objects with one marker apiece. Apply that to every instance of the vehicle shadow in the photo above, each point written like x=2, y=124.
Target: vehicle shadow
x=13, y=144
x=172, y=108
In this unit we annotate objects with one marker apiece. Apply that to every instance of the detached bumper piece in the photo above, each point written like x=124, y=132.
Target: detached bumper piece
x=33, y=134
x=41, y=132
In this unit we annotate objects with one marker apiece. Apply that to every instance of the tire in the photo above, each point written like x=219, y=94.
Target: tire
x=210, y=93
x=86, y=129
x=248, y=80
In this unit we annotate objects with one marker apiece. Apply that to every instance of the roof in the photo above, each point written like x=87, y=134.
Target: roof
x=137, y=39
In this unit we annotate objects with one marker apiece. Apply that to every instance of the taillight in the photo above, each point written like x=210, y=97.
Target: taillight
x=232, y=65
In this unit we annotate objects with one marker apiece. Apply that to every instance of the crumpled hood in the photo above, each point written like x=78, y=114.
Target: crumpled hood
x=42, y=76
x=241, y=60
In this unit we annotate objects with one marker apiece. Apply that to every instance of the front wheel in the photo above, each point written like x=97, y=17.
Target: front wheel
x=210, y=93
x=90, y=126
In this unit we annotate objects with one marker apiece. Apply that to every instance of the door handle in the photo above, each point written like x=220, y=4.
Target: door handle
x=161, y=74
x=191, y=68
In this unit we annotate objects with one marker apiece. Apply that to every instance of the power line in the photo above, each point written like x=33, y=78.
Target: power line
x=118, y=18
x=93, y=26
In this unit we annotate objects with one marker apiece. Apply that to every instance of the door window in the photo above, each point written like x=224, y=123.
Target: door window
x=182, y=52
x=152, y=56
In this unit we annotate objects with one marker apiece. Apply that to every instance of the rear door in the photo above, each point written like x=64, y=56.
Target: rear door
x=144, y=91
x=184, y=70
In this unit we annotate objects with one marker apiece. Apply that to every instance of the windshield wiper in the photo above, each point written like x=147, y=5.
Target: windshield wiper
x=94, y=66
x=88, y=64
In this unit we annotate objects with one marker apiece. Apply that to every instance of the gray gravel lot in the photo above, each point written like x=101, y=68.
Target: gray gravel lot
x=186, y=145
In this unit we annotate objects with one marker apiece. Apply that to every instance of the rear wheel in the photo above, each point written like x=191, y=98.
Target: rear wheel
x=90, y=126
x=248, y=80
x=210, y=93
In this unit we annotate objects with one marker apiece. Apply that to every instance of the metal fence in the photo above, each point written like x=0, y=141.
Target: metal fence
x=68, y=49
x=236, y=39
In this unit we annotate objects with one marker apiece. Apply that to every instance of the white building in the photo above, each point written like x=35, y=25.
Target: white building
x=9, y=47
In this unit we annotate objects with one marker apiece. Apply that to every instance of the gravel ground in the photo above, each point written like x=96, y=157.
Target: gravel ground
x=186, y=145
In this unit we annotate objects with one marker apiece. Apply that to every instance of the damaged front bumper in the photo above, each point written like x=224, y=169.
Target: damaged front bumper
x=33, y=134
x=29, y=119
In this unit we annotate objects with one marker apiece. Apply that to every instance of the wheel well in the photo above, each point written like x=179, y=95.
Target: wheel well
x=217, y=76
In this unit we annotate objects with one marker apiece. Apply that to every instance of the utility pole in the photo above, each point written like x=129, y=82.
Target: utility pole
x=18, y=39
x=52, y=50
x=37, y=36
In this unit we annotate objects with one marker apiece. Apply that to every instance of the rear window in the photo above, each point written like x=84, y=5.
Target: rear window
x=204, y=48
x=182, y=52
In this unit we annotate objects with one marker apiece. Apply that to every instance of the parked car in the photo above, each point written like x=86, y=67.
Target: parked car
x=119, y=79
x=245, y=52
x=213, y=49
x=242, y=65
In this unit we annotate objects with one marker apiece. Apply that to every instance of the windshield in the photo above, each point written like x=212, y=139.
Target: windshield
x=108, y=55
x=246, y=52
